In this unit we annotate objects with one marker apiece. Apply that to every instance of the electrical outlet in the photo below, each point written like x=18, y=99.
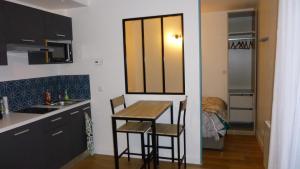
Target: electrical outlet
x=100, y=89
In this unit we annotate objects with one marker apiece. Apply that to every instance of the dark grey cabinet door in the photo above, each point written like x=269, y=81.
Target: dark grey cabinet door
x=47, y=144
x=57, y=148
x=21, y=148
x=58, y=27
x=77, y=134
x=23, y=24
x=3, y=55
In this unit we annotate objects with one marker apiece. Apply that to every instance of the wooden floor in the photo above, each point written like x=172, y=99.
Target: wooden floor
x=240, y=152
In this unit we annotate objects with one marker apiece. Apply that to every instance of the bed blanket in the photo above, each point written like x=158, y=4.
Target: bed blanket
x=214, y=105
x=214, y=113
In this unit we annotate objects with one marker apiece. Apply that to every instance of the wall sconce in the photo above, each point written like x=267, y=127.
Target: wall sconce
x=175, y=39
x=177, y=36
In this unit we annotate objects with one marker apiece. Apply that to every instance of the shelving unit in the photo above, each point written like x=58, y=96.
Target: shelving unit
x=242, y=33
x=242, y=73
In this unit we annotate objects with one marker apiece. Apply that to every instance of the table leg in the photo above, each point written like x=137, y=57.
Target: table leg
x=154, y=149
x=172, y=138
x=115, y=141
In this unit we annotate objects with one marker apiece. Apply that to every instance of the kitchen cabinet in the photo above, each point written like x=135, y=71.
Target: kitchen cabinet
x=57, y=151
x=49, y=143
x=24, y=25
x=78, y=142
x=3, y=55
x=58, y=27
x=21, y=148
x=65, y=136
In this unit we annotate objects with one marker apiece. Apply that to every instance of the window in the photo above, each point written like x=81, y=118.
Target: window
x=154, y=55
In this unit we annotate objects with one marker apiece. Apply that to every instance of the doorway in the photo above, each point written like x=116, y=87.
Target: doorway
x=230, y=71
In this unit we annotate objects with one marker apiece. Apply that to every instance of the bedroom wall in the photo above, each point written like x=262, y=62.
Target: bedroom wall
x=214, y=54
x=267, y=18
x=98, y=36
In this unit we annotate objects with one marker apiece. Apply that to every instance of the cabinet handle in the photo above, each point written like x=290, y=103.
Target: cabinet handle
x=28, y=40
x=57, y=119
x=57, y=133
x=61, y=35
x=22, y=132
x=86, y=108
x=73, y=113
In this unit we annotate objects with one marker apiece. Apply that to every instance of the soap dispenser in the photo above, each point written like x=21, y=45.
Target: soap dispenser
x=2, y=108
x=66, y=98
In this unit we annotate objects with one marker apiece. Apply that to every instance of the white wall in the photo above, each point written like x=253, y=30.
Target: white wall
x=18, y=68
x=214, y=31
x=98, y=36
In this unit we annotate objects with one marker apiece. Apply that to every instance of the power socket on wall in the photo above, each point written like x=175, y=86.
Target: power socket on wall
x=100, y=89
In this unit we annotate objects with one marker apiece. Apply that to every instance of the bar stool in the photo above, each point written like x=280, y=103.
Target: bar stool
x=130, y=127
x=173, y=131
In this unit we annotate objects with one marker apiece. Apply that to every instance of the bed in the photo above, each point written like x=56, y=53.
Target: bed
x=215, y=125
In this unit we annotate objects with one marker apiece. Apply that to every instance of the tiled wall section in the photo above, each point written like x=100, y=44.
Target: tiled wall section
x=27, y=92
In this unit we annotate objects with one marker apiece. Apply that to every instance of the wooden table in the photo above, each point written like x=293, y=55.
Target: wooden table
x=141, y=111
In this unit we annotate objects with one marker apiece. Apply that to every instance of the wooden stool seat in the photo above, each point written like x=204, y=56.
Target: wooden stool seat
x=173, y=131
x=134, y=127
x=130, y=127
x=163, y=129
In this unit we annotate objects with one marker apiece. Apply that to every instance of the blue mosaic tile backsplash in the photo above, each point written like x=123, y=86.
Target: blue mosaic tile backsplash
x=27, y=92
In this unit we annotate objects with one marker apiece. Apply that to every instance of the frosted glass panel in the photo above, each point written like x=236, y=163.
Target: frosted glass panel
x=153, y=55
x=134, y=56
x=240, y=69
x=154, y=60
x=173, y=54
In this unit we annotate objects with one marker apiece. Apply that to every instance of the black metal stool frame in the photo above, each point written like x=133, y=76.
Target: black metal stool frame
x=127, y=149
x=180, y=159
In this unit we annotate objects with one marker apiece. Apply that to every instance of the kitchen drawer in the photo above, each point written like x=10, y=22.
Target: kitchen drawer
x=86, y=109
x=241, y=115
x=55, y=121
x=241, y=101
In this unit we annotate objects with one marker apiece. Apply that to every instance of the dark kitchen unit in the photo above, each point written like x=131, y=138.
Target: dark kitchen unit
x=29, y=29
x=48, y=143
x=3, y=55
x=36, y=110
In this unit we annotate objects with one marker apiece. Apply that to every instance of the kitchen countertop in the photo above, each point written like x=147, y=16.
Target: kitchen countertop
x=15, y=120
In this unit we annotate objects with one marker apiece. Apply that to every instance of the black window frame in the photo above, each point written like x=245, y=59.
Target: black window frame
x=163, y=55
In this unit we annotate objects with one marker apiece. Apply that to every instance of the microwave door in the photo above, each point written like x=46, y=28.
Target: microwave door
x=58, y=52
x=69, y=53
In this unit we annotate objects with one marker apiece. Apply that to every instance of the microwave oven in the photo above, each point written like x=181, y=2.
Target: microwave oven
x=59, y=51
x=54, y=52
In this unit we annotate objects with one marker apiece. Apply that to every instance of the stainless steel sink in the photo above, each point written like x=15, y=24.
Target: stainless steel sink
x=65, y=103
x=36, y=110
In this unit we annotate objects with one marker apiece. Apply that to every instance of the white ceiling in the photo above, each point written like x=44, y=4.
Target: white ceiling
x=56, y=4
x=224, y=5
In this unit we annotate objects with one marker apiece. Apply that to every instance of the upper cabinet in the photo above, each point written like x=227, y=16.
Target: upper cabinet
x=3, y=57
x=23, y=24
x=58, y=27
x=26, y=26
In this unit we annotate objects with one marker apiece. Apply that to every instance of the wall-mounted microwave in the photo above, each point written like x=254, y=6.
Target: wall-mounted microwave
x=55, y=52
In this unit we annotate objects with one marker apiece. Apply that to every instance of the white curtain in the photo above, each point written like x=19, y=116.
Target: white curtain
x=285, y=136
